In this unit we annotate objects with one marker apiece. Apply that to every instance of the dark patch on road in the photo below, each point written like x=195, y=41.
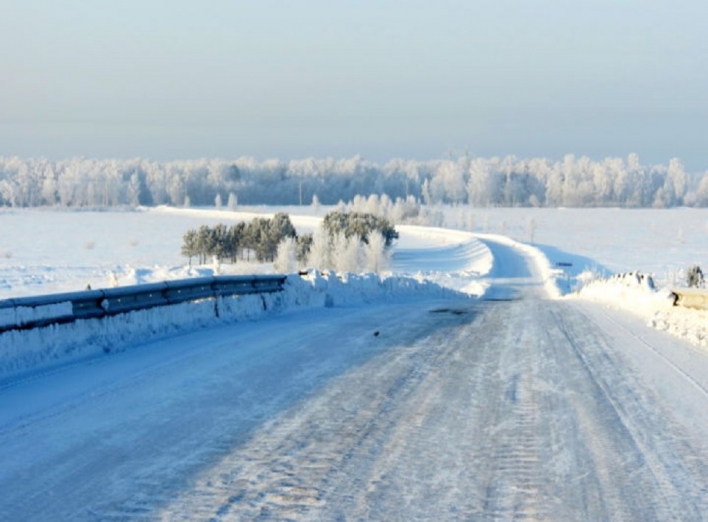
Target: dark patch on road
x=452, y=311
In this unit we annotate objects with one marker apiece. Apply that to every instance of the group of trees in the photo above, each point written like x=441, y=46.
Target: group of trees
x=481, y=182
x=346, y=241
x=261, y=237
x=694, y=277
x=359, y=225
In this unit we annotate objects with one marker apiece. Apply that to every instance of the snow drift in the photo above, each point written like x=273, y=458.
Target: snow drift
x=637, y=293
x=24, y=351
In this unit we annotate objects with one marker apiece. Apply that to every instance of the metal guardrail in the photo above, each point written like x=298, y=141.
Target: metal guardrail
x=31, y=312
x=691, y=298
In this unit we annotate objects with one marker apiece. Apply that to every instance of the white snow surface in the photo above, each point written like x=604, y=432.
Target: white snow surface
x=451, y=388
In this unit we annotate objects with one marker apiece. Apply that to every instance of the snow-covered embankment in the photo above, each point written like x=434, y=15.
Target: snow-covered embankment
x=29, y=350
x=636, y=293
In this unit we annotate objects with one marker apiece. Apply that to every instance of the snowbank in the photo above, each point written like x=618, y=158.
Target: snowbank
x=344, y=289
x=29, y=314
x=691, y=325
x=450, y=258
x=637, y=293
x=23, y=351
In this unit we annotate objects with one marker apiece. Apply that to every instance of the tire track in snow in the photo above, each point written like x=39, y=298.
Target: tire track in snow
x=123, y=453
x=322, y=460
x=635, y=447
x=685, y=374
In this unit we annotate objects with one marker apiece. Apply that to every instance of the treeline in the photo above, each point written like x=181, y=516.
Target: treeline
x=481, y=182
x=346, y=241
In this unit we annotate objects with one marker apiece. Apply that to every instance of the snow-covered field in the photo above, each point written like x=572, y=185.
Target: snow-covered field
x=43, y=251
x=661, y=242
x=53, y=251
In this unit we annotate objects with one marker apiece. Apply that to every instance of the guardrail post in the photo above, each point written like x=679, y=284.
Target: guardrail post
x=691, y=298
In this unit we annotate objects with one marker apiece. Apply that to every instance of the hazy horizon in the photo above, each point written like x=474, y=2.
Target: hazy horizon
x=383, y=80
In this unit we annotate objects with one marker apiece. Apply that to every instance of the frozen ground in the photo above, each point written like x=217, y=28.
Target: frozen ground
x=397, y=402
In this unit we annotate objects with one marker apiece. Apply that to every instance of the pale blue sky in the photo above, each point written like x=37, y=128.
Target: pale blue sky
x=171, y=79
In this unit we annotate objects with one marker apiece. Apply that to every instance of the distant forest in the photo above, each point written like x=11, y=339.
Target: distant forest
x=480, y=182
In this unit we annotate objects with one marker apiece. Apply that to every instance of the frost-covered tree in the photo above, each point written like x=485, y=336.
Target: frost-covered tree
x=345, y=253
x=701, y=195
x=359, y=225
x=259, y=239
x=190, y=247
x=286, y=258
x=485, y=186
x=279, y=227
x=508, y=181
x=320, y=251
x=404, y=210
x=237, y=240
x=134, y=190
x=677, y=180
x=425, y=191
x=377, y=256
x=176, y=191
x=233, y=201
x=452, y=180
x=49, y=190
x=303, y=247
x=694, y=277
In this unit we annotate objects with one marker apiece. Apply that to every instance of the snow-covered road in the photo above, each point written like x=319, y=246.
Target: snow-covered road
x=513, y=408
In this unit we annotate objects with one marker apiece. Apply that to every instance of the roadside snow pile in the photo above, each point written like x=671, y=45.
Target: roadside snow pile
x=617, y=287
x=637, y=293
x=23, y=351
x=316, y=289
x=450, y=258
x=27, y=314
x=688, y=324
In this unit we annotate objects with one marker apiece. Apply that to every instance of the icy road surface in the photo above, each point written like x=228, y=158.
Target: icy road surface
x=514, y=408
